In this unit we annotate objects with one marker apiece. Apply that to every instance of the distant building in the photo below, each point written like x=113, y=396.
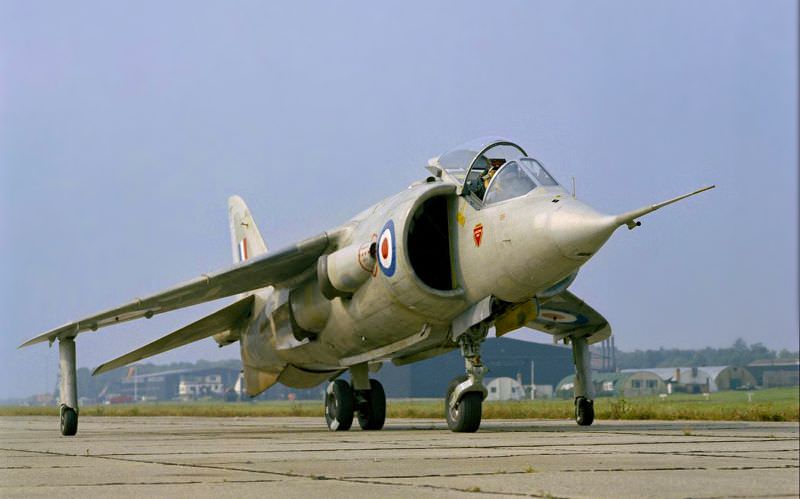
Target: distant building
x=521, y=360
x=177, y=384
x=622, y=384
x=191, y=387
x=707, y=379
x=730, y=378
x=504, y=389
x=771, y=373
x=682, y=379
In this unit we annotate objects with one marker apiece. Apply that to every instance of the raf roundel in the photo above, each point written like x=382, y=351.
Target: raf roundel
x=386, y=250
x=561, y=317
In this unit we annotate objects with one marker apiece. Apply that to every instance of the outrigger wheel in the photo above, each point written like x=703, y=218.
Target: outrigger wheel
x=69, y=421
x=465, y=416
x=584, y=411
x=339, y=405
x=372, y=406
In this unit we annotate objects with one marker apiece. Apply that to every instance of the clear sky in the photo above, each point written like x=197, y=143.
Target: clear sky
x=125, y=126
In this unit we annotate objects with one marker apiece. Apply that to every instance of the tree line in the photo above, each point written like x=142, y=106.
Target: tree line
x=739, y=354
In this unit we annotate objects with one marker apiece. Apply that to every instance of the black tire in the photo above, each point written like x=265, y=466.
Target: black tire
x=339, y=405
x=372, y=414
x=465, y=417
x=69, y=421
x=584, y=411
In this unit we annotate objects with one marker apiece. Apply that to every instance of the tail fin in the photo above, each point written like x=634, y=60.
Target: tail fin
x=246, y=240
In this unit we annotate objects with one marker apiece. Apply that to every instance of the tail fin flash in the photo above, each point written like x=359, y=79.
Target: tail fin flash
x=246, y=240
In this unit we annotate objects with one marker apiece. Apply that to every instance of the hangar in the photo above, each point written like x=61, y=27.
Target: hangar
x=776, y=372
x=730, y=378
x=506, y=357
x=621, y=384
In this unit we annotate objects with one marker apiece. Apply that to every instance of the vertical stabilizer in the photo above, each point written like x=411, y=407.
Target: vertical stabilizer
x=246, y=240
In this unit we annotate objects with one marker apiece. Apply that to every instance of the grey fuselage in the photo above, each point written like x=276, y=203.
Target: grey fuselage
x=445, y=253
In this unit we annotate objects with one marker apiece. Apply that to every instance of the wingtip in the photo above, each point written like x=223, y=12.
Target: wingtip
x=30, y=342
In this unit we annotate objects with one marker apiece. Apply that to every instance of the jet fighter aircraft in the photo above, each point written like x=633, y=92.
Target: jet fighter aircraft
x=488, y=239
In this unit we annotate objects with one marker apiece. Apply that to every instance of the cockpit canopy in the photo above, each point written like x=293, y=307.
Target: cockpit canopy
x=491, y=169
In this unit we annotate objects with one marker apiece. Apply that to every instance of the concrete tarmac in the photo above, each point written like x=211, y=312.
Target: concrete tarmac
x=299, y=457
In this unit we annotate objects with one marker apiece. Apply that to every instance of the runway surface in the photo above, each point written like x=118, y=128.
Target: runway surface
x=298, y=457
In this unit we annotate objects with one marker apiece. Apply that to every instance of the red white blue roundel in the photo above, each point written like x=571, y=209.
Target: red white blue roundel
x=557, y=316
x=560, y=317
x=387, y=250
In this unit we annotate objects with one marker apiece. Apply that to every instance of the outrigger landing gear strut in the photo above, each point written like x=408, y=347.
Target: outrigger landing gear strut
x=584, y=389
x=68, y=387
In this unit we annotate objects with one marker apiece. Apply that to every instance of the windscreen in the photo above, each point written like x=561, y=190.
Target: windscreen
x=538, y=172
x=510, y=181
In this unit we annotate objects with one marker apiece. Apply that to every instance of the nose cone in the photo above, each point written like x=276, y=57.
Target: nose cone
x=578, y=230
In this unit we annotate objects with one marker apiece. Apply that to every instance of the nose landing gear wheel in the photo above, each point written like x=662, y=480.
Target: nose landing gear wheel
x=69, y=421
x=465, y=416
x=584, y=411
x=372, y=411
x=339, y=405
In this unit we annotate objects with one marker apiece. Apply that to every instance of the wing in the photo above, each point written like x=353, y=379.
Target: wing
x=222, y=320
x=265, y=270
x=567, y=315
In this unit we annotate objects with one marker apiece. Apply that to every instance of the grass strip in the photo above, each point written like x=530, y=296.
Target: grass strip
x=777, y=404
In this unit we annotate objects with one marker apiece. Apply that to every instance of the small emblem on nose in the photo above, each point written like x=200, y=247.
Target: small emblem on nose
x=477, y=234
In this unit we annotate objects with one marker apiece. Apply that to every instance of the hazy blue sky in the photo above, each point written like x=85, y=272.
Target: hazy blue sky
x=124, y=127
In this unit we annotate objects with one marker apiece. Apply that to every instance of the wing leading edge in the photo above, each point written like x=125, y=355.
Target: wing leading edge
x=225, y=319
x=266, y=270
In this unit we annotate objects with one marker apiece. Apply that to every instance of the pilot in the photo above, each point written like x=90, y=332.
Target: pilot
x=475, y=183
x=478, y=185
x=494, y=165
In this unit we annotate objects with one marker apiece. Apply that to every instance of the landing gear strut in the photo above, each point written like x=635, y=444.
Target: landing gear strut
x=68, y=387
x=463, y=404
x=584, y=389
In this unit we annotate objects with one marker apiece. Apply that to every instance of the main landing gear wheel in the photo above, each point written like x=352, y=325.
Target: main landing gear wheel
x=372, y=410
x=584, y=411
x=465, y=416
x=339, y=405
x=69, y=421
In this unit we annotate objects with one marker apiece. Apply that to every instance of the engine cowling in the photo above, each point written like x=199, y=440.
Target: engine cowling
x=310, y=309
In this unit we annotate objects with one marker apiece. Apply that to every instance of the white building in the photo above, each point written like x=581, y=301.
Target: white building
x=192, y=387
x=505, y=389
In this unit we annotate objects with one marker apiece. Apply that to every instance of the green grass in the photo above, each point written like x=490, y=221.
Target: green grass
x=774, y=404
